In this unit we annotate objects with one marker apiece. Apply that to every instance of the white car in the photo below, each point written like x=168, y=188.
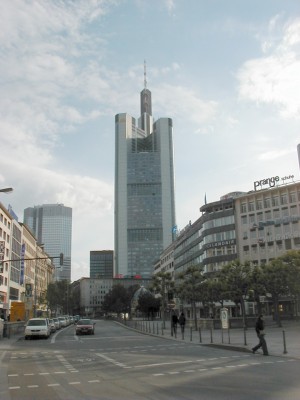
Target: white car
x=63, y=321
x=37, y=327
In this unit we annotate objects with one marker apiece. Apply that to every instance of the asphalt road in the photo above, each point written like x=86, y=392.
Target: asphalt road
x=120, y=364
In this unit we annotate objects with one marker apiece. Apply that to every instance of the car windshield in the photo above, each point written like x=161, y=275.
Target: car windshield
x=36, y=322
x=84, y=322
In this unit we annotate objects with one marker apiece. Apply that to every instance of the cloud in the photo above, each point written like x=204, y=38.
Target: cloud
x=182, y=102
x=274, y=154
x=274, y=78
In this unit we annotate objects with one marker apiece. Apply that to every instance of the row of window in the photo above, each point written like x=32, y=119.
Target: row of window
x=269, y=202
x=4, y=220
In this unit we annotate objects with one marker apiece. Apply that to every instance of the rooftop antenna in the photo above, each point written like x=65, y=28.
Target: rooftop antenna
x=145, y=75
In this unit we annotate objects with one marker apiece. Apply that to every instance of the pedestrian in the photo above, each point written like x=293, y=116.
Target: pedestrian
x=181, y=321
x=174, y=323
x=259, y=328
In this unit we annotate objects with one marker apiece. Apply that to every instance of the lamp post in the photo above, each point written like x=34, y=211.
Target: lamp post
x=6, y=190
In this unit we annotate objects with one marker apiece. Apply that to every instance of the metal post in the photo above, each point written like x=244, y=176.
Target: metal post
x=284, y=343
x=222, y=335
x=228, y=335
x=245, y=338
x=200, y=335
x=191, y=333
x=211, y=335
x=162, y=329
x=157, y=327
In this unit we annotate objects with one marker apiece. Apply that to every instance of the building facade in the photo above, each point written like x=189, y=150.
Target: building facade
x=25, y=268
x=268, y=222
x=144, y=190
x=101, y=264
x=51, y=224
x=210, y=241
x=92, y=292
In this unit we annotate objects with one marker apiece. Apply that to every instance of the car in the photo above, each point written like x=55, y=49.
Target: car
x=57, y=323
x=85, y=326
x=52, y=326
x=37, y=327
x=63, y=321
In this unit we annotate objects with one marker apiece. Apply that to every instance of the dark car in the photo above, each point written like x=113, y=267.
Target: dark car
x=85, y=326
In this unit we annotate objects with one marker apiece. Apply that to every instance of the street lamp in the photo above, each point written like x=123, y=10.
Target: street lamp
x=6, y=190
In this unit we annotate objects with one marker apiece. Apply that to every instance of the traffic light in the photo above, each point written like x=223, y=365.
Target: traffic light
x=61, y=259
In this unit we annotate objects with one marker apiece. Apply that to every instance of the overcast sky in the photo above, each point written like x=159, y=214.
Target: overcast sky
x=226, y=72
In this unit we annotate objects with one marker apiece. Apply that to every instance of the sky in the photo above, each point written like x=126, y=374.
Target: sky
x=226, y=72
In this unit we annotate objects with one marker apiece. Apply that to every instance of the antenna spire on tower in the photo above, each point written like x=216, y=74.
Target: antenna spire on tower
x=145, y=74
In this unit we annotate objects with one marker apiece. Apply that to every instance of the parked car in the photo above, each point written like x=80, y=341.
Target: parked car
x=52, y=326
x=63, y=321
x=85, y=326
x=37, y=327
x=57, y=323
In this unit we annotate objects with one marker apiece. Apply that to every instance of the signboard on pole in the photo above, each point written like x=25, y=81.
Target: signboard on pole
x=225, y=318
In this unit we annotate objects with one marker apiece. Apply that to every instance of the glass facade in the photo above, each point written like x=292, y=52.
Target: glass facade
x=144, y=191
x=52, y=226
x=101, y=264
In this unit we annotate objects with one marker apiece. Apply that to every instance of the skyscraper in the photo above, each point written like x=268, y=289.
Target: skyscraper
x=144, y=189
x=101, y=264
x=52, y=226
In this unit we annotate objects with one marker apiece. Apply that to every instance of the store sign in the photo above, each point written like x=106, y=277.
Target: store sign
x=271, y=182
x=221, y=243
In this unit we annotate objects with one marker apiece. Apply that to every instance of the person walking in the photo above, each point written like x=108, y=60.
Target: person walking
x=259, y=328
x=181, y=321
x=174, y=323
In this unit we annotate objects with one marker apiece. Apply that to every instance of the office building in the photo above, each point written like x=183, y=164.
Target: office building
x=268, y=222
x=52, y=226
x=144, y=189
x=101, y=264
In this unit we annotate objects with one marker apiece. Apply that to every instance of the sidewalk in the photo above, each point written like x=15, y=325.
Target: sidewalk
x=281, y=341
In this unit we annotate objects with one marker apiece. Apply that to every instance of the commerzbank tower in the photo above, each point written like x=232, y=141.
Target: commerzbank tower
x=144, y=189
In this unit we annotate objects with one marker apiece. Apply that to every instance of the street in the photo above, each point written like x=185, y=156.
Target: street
x=118, y=363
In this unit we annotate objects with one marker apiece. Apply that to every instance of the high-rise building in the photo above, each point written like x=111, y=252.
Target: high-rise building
x=144, y=189
x=52, y=226
x=101, y=264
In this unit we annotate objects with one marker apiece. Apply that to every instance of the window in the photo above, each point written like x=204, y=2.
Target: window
x=275, y=201
x=293, y=197
x=251, y=206
x=259, y=204
x=283, y=198
x=243, y=208
x=267, y=202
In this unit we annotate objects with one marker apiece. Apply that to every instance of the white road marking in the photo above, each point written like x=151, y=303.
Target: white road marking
x=74, y=383
x=53, y=384
x=14, y=387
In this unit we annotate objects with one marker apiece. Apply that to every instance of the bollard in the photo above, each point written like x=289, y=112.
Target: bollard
x=153, y=327
x=245, y=338
x=284, y=343
x=200, y=335
x=191, y=333
x=162, y=330
x=211, y=335
x=228, y=335
x=157, y=328
x=222, y=334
